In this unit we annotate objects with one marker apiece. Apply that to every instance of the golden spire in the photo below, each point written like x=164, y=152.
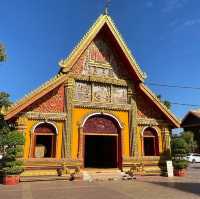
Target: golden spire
x=107, y=2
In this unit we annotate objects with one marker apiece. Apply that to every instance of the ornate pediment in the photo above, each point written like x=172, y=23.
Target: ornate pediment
x=102, y=60
x=93, y=92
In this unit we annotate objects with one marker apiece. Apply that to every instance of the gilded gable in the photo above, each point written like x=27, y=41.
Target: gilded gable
x=100, y=59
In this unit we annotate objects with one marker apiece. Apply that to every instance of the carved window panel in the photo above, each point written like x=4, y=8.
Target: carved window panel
x=106, y=71
x=119, y=95
x=83, y=91
x=100, y=124
x=101, y=93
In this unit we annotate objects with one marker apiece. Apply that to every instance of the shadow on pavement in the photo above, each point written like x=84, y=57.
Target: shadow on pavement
x=182, y=186
x=195, y=167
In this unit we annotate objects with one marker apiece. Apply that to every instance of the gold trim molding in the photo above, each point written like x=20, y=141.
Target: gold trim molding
x=102, y=106
x=104, y=80
x=46, y=116
x=150, y=122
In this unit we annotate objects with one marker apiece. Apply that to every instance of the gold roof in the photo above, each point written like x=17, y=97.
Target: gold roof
x=67, y=64
x=102, y=20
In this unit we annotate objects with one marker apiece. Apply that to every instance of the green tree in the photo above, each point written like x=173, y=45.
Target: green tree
x=179, y=150
x=4, y=103
x=165, y=102
x=188, y=136
x=4, y=127
x=2, y=53
x=11, y=143
x=4, y=100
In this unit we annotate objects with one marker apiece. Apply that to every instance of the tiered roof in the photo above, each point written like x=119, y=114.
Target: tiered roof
x=66, y=65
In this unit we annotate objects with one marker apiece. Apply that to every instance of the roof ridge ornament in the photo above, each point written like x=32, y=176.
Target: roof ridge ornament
x=107, y=2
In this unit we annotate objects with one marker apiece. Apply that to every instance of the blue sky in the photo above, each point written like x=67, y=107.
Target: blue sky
x=164, y=36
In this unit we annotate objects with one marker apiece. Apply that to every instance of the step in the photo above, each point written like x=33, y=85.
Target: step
x=152, y=170
x=42, y=178
x=91, y=175
x=39, y=172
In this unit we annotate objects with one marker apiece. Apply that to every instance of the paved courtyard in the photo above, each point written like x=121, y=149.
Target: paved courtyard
x=143, y=187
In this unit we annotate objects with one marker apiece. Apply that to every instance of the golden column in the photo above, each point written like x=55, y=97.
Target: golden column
x=132, y=121
x=67, y=134
x=21, y=128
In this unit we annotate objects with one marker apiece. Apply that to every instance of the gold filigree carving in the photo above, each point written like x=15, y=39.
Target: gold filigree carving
x=46, y=116
x=150, y=122
x=103, y=106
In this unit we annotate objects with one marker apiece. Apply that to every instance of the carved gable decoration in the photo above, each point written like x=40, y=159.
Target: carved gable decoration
x=101, y=93
x=100, y=124
x=119, y=95
x=51, y=102
x=146, y=109
x=99, y=59
x=83, y=91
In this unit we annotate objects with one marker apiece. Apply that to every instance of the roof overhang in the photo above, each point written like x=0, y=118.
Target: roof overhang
x=171, y=117
x=34, y=95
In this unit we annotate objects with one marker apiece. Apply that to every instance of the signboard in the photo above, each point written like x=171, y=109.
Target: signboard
x=170, y=169
x=39, y=151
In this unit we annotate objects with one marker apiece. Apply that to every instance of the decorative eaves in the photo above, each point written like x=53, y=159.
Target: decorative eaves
x=32, y=96
x=160, y=105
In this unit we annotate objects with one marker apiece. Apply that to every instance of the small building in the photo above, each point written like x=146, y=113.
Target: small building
x=96, y=113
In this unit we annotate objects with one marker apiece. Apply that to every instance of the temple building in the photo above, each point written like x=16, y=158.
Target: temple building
x=96, y=113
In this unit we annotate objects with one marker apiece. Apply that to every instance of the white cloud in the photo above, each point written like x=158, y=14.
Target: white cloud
x=191, y=22
x=187, y=23
x=170, y=5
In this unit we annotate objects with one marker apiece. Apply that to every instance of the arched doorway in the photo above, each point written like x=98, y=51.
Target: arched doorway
x=44, y=141
x=150, y=142
x=102, y=142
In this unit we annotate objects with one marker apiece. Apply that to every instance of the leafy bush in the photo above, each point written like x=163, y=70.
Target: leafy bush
x=188, y=136
x=179, y=150
x=12, y=142
x=180, y=164
x=15, y=170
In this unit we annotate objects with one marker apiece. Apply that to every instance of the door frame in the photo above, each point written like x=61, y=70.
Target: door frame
x=82, y=134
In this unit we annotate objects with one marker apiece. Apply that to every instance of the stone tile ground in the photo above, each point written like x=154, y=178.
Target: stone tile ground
x=141, y=188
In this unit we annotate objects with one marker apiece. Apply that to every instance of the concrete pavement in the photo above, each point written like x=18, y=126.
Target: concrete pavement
x=142, y=188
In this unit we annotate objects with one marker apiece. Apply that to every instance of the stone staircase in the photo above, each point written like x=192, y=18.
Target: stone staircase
x=46, y=169
x=101, y=174
x=146, y=166
x=40, y=168
x=151, y=167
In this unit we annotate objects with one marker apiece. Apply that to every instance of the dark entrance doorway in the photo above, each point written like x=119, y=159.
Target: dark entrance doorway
x=100, y=151
x=44, y=141
x=149, y=149
x=48, y=144
x=102, y=142
x=150, y=142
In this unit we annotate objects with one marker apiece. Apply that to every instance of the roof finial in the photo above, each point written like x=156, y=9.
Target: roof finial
x=107, y=2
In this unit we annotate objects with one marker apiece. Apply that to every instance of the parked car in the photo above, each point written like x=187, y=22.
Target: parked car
x=193, y=157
